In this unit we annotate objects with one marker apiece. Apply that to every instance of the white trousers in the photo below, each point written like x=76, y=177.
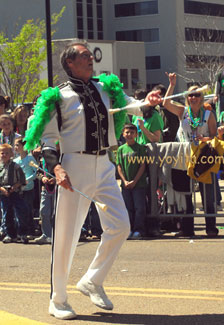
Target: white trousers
x=94, y=176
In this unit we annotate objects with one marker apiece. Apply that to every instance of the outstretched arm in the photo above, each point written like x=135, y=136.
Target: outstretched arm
x=167, y=103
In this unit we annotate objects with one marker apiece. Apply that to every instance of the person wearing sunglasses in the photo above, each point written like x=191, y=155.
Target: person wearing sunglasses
x=196, y=123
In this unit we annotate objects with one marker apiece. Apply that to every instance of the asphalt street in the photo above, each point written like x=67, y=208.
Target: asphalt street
x=161, y=281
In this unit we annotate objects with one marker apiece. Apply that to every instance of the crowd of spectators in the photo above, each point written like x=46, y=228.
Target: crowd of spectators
x=27, y=192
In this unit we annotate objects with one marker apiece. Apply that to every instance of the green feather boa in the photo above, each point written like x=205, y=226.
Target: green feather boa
x=42, y=115
x=46, y=104
x=113, y=87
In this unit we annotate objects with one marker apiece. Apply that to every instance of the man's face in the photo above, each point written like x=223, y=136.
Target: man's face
x=82, y=66
x=5, y=155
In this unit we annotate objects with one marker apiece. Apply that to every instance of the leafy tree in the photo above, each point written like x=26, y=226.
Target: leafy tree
x=21, y=60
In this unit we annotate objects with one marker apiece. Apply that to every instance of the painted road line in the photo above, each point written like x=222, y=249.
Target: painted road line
x=11, y=319
x=43, y=285
x=123, y=291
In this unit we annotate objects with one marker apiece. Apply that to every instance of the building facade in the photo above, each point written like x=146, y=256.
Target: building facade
x=110, y=57
x=179, y=35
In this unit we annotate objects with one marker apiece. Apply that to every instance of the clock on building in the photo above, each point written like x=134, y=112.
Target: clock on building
x=97, y=54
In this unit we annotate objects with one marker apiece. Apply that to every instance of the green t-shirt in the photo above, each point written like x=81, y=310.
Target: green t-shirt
x=130, y=158
x=152, y=124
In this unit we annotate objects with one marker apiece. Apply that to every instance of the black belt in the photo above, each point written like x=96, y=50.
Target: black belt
x=94, y=152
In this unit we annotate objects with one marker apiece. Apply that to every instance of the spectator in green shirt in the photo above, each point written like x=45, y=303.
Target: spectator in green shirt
x=131, y=169
x=150, y=128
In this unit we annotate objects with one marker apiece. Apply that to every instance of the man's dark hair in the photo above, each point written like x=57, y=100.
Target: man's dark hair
x=162, y=89
x=70, y=52
x=140, y=93
x=130, y=126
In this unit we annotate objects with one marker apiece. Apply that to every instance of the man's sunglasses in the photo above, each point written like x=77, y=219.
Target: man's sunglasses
x=194, y=95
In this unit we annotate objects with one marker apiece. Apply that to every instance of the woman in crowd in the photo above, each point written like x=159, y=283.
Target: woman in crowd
x=196, y=124
x=20, y=116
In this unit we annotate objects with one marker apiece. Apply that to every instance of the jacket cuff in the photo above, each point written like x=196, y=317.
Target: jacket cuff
x=51, y=158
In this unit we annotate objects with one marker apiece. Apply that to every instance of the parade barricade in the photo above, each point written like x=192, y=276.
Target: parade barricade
x=170, y=164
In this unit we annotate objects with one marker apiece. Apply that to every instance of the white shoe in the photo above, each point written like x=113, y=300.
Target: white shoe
x=61, y=311
x=95, y=292
x=42, y=240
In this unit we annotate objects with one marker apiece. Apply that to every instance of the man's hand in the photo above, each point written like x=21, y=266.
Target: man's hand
x=172, y=78
x=62, y=178
x=153, y=98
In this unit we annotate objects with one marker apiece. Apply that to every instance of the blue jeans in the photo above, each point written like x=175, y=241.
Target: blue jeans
x=28, y=197
x=136, y=205
x=210, y=200
x=188, y=222
x=16, y=203
x=46, y=212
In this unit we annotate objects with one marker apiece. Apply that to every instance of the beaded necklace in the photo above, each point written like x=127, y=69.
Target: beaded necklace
x=195, y=121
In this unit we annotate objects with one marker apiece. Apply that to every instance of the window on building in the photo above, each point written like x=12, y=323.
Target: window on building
x=99, y=24
x=134, y=78
x=142, y=35
x=153, y=62
x=204, y=35
x=203, y=8
x=99, y=11
x=124, y=77
x=100, y=35
x=136, y=8
x=90, y=35
x=200, y=61
x=79, y=9
x=89, y=10
x=80, y=34
x=80, y=23
x=90, y=24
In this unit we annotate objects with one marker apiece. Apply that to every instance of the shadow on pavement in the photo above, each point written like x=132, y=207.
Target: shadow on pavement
x=132, y=319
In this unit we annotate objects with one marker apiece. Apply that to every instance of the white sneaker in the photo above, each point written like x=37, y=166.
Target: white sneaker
x=61, y=311
x=42, y=240
x=95, y=292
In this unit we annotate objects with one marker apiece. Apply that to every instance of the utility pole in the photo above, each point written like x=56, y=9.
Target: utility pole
x=49, y=48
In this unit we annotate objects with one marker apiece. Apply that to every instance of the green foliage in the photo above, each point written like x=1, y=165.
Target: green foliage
x=21, y=60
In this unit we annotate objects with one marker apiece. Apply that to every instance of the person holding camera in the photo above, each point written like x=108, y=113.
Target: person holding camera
x=12, y=179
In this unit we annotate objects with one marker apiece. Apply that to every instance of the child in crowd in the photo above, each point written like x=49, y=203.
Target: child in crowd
x=47, y=203
x=131, y=170
x=23, y=160
x=12, y=179
x=7, y=134
x=46, y=206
